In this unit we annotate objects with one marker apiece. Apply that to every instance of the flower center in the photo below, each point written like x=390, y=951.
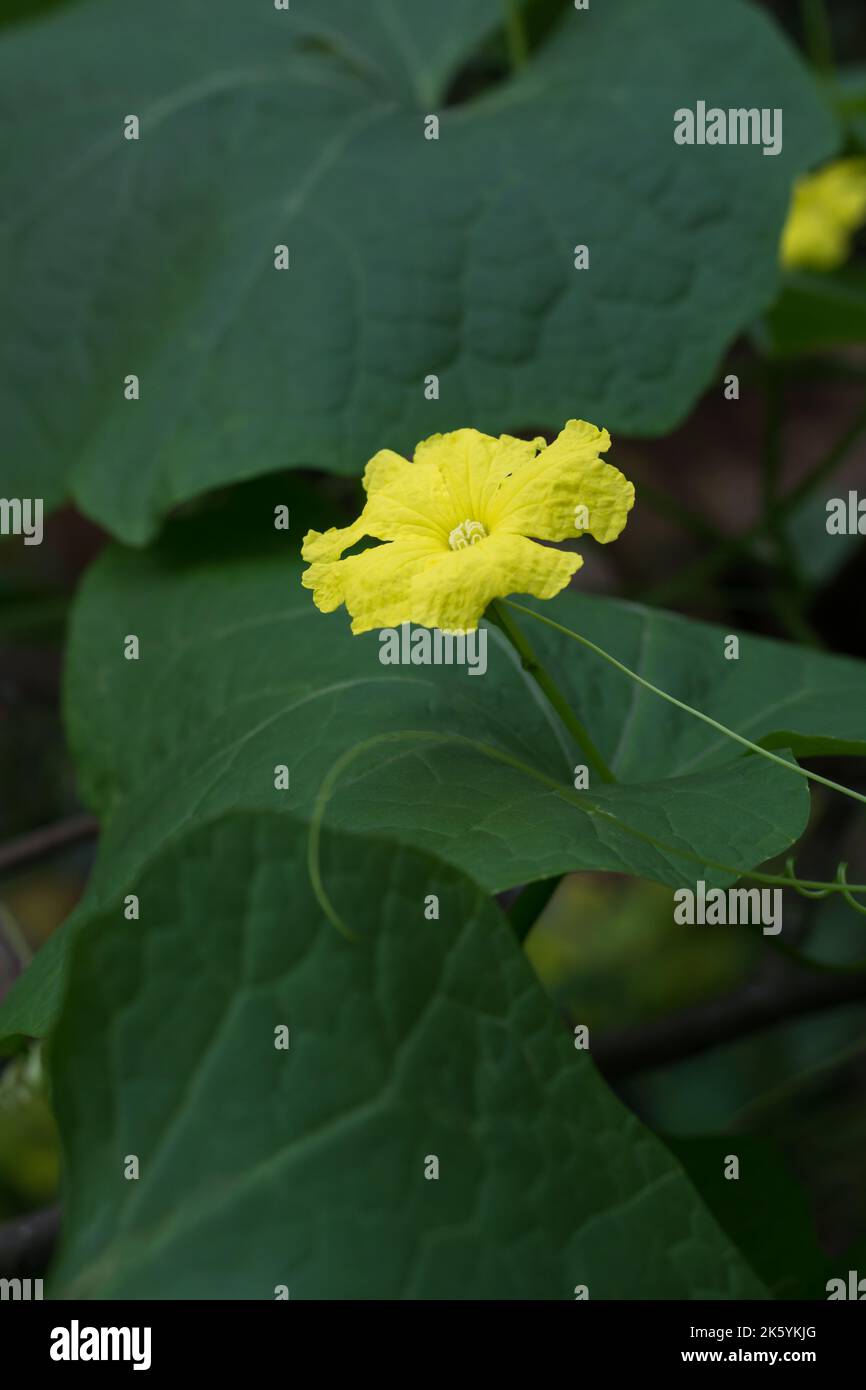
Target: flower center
x=467, y=533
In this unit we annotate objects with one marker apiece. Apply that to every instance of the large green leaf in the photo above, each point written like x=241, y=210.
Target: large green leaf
x=262, y=1167
x=239, y=673
x=409, y=256
x=766, y=1209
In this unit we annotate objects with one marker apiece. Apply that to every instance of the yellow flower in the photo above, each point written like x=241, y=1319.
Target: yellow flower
x=456, y=523
x=826, y=210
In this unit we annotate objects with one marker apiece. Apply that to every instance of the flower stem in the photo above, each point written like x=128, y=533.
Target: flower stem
x=529, y=904
x=818, y=35
x=696, y=713
x=709, y=565
x=518, y=48
x=545, y=682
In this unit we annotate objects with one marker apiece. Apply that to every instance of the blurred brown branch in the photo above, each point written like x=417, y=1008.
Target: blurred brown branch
x=782, y=991
x=38, y=844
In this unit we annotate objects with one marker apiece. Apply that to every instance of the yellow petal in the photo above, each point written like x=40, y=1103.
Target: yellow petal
x=375, y=584
x=453, y=593
x=472, y=466
x=326, y=546
x=544, y=495
x=403, y=500
x=826, y=209
x=488, y=496
x=841, y=189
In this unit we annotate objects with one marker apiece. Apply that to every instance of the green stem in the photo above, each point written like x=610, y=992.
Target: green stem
x=675, y=510
x=787, y=596
x=772, y=455
x=518, y=46
x=545, y=682
x=34, y=611
x=794, y=620
x=824, y=967
x=710, y=564
x=529, y=905
x=688, y=709
x=772, y=516
x=818, y=35
x=827, y=465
